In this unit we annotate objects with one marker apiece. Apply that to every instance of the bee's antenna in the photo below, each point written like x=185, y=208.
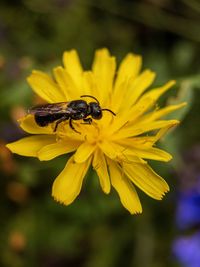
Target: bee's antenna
x=106, y=109
x=91, y=97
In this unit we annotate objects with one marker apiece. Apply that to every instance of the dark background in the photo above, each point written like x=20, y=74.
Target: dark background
x=94, y=231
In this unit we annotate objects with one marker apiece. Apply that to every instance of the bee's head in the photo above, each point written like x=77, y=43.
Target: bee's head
x=95, y=110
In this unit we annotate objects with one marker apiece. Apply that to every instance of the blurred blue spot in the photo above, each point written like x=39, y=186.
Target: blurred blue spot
x=188, y=210
x=187, y=250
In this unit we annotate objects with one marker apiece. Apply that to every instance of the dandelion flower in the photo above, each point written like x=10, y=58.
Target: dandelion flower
x=117, y=147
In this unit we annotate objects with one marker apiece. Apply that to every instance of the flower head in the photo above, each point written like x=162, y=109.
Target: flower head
x=116, y=146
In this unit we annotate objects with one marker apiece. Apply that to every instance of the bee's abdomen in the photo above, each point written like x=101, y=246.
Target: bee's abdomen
x=45, y=120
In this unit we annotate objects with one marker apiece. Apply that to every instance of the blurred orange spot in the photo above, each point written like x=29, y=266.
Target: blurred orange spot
x=7, y=163
x=17, y=241
x=25, y=62
x=17, y=192
x=2, y=61
x=17, y=112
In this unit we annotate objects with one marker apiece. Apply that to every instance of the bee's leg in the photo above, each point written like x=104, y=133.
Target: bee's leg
x=87, y=121
x=58, y=122
x=72, y=126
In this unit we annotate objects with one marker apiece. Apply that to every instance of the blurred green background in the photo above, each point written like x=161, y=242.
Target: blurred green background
x=95, y=231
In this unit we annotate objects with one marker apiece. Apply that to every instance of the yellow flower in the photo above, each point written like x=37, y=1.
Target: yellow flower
x=116, y=146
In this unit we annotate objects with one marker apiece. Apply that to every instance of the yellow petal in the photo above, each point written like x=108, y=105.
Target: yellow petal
x=127, y=92
x=129, y=68
x=45, y=87
x=51, y=151
x=29, y=125
x=111, y=150
x=84, y=152
x=73, y=66
x=147, y=101
x=29, y=146
x=149, y=153
x=141, y=128
x=104, y=70
x=157, y=114
x=67, y=185
x=142, y=148
x=139, y=85
x=135, y=112
x=117, y=99
x=149, y=141
x=144, y=141
x=89, y=86
x=146, y=179
x=161, y=133
x=117, y=152
x=67, y=84
x=127, y=193
x=100, y=166
x=72, y=62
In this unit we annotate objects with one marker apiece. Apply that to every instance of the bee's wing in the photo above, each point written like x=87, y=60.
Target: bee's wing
x=49, y=109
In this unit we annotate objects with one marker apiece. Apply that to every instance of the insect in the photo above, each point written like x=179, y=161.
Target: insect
x=72, y=110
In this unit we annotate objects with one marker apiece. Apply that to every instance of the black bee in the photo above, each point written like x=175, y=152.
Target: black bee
x=73, y=110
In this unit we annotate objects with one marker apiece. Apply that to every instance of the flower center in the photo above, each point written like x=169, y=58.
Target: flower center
x=94, y=136
x=93, y=133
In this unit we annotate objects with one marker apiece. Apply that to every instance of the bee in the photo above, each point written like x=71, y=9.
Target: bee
x=72, y=110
